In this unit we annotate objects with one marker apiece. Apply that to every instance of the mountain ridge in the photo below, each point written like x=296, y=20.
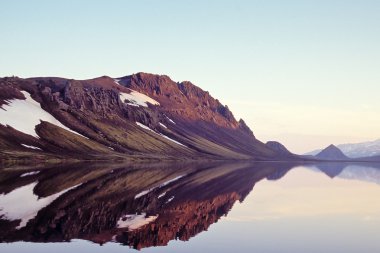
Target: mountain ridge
x=137, y=116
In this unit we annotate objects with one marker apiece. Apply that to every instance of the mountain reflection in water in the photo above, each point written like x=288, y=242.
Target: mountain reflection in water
x=138, y=205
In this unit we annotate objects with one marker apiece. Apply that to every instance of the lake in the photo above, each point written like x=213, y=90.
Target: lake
x=191, y=207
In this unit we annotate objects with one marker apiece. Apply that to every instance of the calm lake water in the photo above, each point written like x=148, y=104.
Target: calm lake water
x=229, y=207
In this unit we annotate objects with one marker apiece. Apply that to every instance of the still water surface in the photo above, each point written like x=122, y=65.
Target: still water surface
x=240, y=207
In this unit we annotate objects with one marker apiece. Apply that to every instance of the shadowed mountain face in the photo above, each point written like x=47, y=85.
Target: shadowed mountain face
x=140, y=205
x=137, y=116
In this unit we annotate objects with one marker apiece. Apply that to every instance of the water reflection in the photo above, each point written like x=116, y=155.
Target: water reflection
x=144, y=205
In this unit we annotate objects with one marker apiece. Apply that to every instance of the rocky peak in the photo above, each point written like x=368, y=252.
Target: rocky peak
x=185, y=97
x=153, y=84
x=191, y=91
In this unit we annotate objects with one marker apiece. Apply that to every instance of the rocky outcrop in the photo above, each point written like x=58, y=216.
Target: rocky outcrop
x=186, y=99
x=9, y=90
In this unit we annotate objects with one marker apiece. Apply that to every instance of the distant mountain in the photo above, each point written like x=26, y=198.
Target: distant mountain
x=363, y=149
x=356, y=150
x=136, y=117
x=331, y=153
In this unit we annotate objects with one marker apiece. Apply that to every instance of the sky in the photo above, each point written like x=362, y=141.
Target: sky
x=305, y=73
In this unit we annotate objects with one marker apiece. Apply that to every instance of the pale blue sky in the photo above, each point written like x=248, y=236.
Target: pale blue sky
x=304, y=72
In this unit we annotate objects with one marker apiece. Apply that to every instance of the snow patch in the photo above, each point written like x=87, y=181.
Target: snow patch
x=143, y=193
x=161, y=195
x=30, y=173
x=170, y=120
x=32, y=147
x=170, y=139
x=170, y=199
x=117, y=80
x=134, y=221
x=137, y=99
x=163, y=125
x=22, y=204
x=160, y=134
x=159, y=186
x=25, y=115
x=144, y=126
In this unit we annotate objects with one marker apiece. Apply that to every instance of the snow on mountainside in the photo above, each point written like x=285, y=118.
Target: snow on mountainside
x=363, y=149
x=24, y=115
x=137, y=99
x=356, y=150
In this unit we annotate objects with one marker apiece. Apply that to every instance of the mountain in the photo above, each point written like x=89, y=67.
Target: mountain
x=140, y=116
x=363, y=149
x=277, y=146
x=356, y=150
x=331, y=153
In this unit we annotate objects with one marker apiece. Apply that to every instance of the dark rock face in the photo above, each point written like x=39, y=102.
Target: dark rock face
x=332, y=153
x=188, y=123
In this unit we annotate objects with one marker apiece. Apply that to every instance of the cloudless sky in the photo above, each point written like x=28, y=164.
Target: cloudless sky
x=306, y=73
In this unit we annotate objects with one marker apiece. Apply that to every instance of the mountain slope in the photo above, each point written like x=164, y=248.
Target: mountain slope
x=137, y=116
